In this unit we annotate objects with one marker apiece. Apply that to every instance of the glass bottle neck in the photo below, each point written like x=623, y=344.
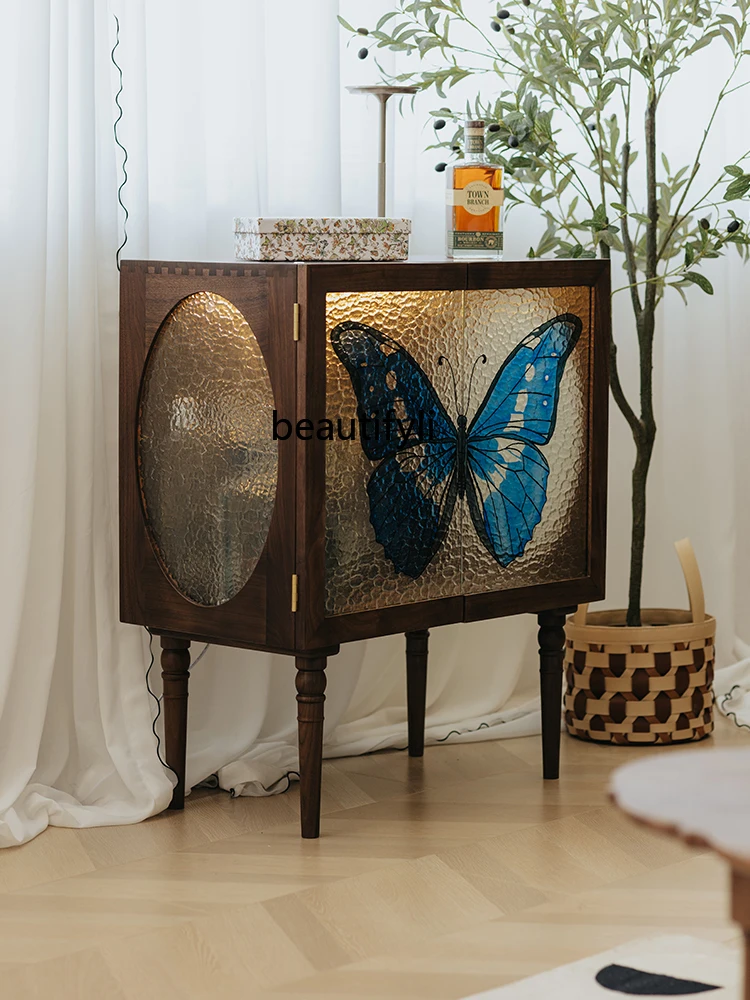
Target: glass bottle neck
x=473, y=145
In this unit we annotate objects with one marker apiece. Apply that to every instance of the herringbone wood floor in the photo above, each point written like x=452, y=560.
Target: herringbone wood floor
x=433, y=879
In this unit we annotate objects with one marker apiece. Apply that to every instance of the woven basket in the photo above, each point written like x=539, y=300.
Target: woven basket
x=651, y=684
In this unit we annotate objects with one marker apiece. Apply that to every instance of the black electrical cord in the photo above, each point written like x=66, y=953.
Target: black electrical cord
x=158, y=700
x=118, y=143
x=158, y=705
x=457, y=732
x=442, y=739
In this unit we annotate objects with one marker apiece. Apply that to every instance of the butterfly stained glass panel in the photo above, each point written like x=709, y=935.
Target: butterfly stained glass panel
x=496, y=319
x=469, y=502
x=359, y=576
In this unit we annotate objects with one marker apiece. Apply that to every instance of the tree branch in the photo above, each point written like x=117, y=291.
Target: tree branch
x=652, y=209
x=619, y=396
x=627, y=243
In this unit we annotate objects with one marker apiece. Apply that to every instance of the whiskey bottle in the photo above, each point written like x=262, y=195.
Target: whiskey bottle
x=474, y=201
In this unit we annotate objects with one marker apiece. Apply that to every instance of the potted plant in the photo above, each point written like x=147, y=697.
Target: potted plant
x=604, y=187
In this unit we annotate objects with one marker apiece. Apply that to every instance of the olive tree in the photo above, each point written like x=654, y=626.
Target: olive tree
x=602, y=183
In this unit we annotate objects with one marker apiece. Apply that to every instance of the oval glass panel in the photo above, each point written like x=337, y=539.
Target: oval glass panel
x=207, y=461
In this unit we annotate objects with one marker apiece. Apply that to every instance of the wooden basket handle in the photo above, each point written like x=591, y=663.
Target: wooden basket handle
x=579, y=618
x=693, y=582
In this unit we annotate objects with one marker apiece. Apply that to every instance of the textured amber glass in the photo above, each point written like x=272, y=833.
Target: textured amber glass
x=358, y=575
x=462, y=327
x=207, y=461
x=496, y=320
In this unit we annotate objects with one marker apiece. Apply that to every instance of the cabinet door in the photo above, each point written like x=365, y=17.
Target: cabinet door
x=207, y=530
x=527, y=475
x=537, y=537
x=394, y=387
x=349, y=587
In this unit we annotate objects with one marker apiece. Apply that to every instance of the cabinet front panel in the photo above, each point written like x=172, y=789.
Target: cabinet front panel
x=359, y=574
x=551, y=487
x=478, y=481
x=207, y=464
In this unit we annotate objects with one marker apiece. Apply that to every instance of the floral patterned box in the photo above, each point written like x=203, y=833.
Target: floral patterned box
x=321, y=239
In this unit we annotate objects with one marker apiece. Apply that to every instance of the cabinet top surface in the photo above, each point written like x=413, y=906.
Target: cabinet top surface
x=531, y=263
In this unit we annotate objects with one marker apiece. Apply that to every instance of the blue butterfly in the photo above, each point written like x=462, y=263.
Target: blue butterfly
x=494, y=461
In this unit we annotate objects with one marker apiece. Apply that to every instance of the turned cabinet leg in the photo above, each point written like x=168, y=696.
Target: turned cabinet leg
x=416, y=688
x=551, y=651
x=311, y=685
x=175, y=673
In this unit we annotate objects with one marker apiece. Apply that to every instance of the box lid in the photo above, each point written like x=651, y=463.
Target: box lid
x=330, y=224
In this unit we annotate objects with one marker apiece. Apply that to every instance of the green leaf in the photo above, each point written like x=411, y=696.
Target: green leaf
x=384, y=19
x=530, y=106
x=611, y=239
x=678, y=288
x=734, y=170
x=702, y=43
x=700, y=280
x=548, y=241
x=345, y=24
x=729, y=38
x=600, y=216
x=738, y=187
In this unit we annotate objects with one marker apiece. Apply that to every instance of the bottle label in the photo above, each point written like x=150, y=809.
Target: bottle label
x=474, y=137
x=478, y=197
x=476, y=241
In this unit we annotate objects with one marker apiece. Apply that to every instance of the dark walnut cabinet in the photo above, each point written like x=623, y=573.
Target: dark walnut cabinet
x=316, y=453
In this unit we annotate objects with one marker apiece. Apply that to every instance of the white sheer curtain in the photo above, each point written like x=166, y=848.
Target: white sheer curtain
x=75, y=742
x=236, y=109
